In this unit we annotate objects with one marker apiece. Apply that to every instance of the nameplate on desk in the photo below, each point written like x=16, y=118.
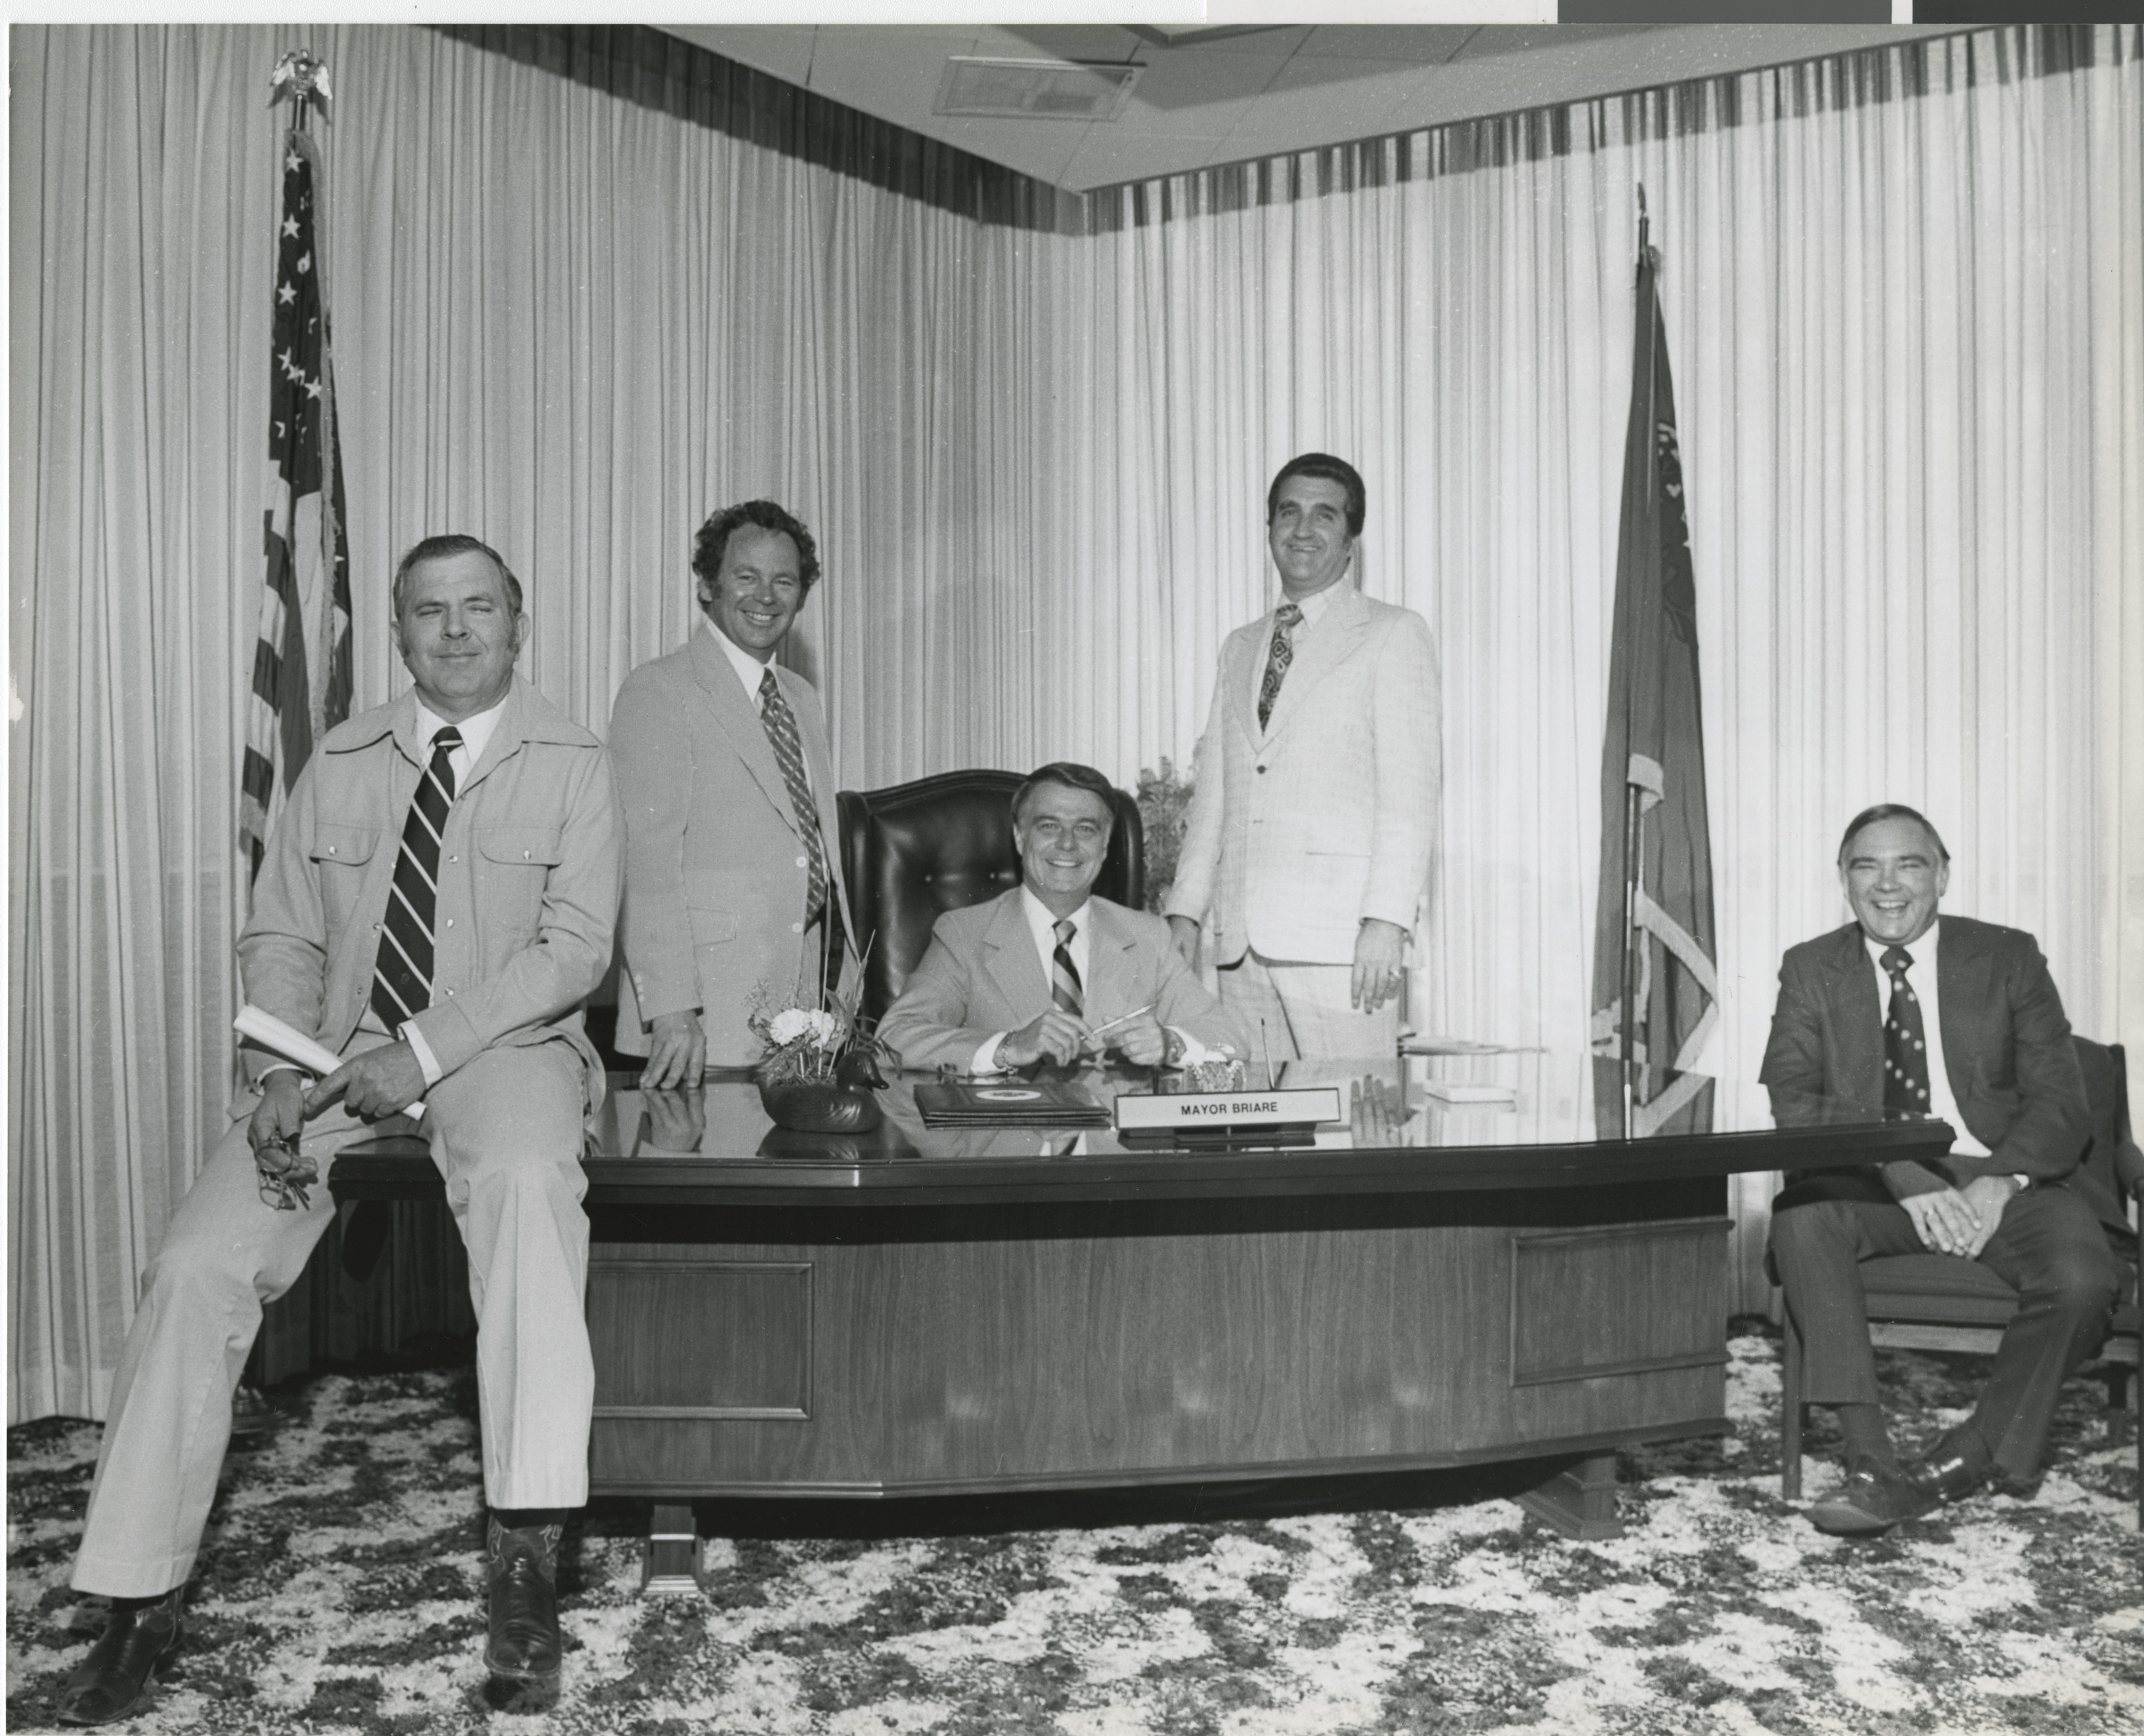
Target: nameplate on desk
x=1236, y=1111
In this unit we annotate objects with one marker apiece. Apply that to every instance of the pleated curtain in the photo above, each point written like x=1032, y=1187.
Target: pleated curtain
x=579, y=300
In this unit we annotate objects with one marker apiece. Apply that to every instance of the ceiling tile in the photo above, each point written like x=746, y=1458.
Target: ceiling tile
x=784, y=50
x=1042, y=151
x=1280, y=39
x=1432, y=44
x=892, y=74
x=1105, y=160
x=1493, y=39
x=1190, y=107
x=1193, y=94
x=1067, y=41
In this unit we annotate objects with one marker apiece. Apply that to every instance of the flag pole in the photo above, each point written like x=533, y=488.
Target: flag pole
x=1633, y=820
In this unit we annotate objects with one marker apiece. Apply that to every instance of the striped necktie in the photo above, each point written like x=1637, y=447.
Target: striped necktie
x=1281, y=654
x=780, y=723
x=402, y=980
x=1064, y=974
x=1905, y=1044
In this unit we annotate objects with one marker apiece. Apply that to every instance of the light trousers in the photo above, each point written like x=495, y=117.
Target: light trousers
x=1304, y=1011
x=505, y=1132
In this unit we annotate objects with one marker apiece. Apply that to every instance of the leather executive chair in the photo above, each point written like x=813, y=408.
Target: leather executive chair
x=1937, y=1301
x=915, y=851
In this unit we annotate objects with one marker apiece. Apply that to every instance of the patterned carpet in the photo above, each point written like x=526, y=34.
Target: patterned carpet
x=339, y=1592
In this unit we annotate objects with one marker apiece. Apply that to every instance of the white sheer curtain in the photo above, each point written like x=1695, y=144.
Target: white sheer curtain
x=1904, y=293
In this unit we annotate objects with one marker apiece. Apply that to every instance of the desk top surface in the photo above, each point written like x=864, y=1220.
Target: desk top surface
x=715, y=1143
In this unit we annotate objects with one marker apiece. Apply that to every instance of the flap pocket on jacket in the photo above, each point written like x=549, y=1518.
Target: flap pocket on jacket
x=710, y=927
x=351, y=846
x=536, y=845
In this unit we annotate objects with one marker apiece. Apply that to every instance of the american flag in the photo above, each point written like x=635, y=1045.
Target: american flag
x=301, y=664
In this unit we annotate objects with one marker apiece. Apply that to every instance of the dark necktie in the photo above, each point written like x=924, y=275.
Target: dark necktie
x=402, y=980
x=1278, y=656
x=1905, y=1046
x=780, y=723
x=1064, y=974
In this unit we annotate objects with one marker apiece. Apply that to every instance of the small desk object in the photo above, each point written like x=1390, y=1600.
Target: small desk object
x=1436, y=1278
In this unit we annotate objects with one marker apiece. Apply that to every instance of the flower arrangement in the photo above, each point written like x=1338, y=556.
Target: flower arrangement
x=825, y=1044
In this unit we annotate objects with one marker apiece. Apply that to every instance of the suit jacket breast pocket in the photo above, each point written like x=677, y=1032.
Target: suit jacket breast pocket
x=514, y=863
x=342, y=857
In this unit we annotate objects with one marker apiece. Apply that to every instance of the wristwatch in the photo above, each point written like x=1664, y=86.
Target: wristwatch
x=1172, y=1045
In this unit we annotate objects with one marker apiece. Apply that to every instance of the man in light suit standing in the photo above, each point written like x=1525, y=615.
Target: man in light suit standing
x=1314, y=808
x=733, y=887
x=1048, y=971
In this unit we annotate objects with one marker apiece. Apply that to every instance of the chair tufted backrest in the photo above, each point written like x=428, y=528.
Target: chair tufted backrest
x=916, y=850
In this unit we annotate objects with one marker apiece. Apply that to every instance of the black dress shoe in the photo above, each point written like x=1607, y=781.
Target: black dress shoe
x=1949, y=1473
x=522, y=1652
x=113, y=1681
x=1872, y=1500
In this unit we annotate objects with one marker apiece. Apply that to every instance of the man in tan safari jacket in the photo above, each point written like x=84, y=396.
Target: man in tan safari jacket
x=435, y=903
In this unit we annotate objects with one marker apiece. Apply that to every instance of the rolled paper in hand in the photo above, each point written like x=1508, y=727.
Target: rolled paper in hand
x=269, y=1032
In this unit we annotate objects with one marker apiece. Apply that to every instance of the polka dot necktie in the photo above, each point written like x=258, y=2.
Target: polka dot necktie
x=1905, y=1046
x=1064, y=974
x=1281, y=654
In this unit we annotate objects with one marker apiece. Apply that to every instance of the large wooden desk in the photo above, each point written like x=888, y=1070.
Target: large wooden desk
x=925, y=1313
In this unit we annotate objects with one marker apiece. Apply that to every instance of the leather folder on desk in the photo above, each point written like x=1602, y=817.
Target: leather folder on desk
x=1010, y=1103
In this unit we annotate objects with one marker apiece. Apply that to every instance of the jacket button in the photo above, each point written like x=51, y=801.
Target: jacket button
x=803, y=862
x=525, y=856
x=1262, y=771
x=457, y=859
x=450, y=995
x=450, y=922
x=795, y=928
x=331, y=850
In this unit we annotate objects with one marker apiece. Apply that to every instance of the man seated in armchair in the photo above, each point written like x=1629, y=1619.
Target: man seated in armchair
x=1047, y=971
x=1943, y=1017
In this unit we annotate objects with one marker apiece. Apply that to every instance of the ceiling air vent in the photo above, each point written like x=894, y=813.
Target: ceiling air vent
x=1035, y=89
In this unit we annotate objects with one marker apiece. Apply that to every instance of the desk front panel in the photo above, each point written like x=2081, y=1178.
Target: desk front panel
x=916, y=1366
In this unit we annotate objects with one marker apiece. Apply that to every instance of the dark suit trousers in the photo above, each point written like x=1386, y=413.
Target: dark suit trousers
x=2049, y=1246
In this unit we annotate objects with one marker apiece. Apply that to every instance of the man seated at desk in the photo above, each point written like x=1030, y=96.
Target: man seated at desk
x=1048, y=971
x=1958, y=1020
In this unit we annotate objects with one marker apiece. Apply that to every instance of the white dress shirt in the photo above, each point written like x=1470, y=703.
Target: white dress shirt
x=1042, y=924
x=1921, y=979
x=476, y=736
x=751, y=671
x=1312, y=607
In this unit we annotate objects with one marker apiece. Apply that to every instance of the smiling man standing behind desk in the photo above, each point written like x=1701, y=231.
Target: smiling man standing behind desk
x=1037, y=973
x=733, y=886
x=1314, y=808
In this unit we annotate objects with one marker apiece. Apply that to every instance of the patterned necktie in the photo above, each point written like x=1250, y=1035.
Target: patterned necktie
x=1905, y=1049
x=1277, y=659
x=780, y=723
x=1064, y=974
x=402, y=980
